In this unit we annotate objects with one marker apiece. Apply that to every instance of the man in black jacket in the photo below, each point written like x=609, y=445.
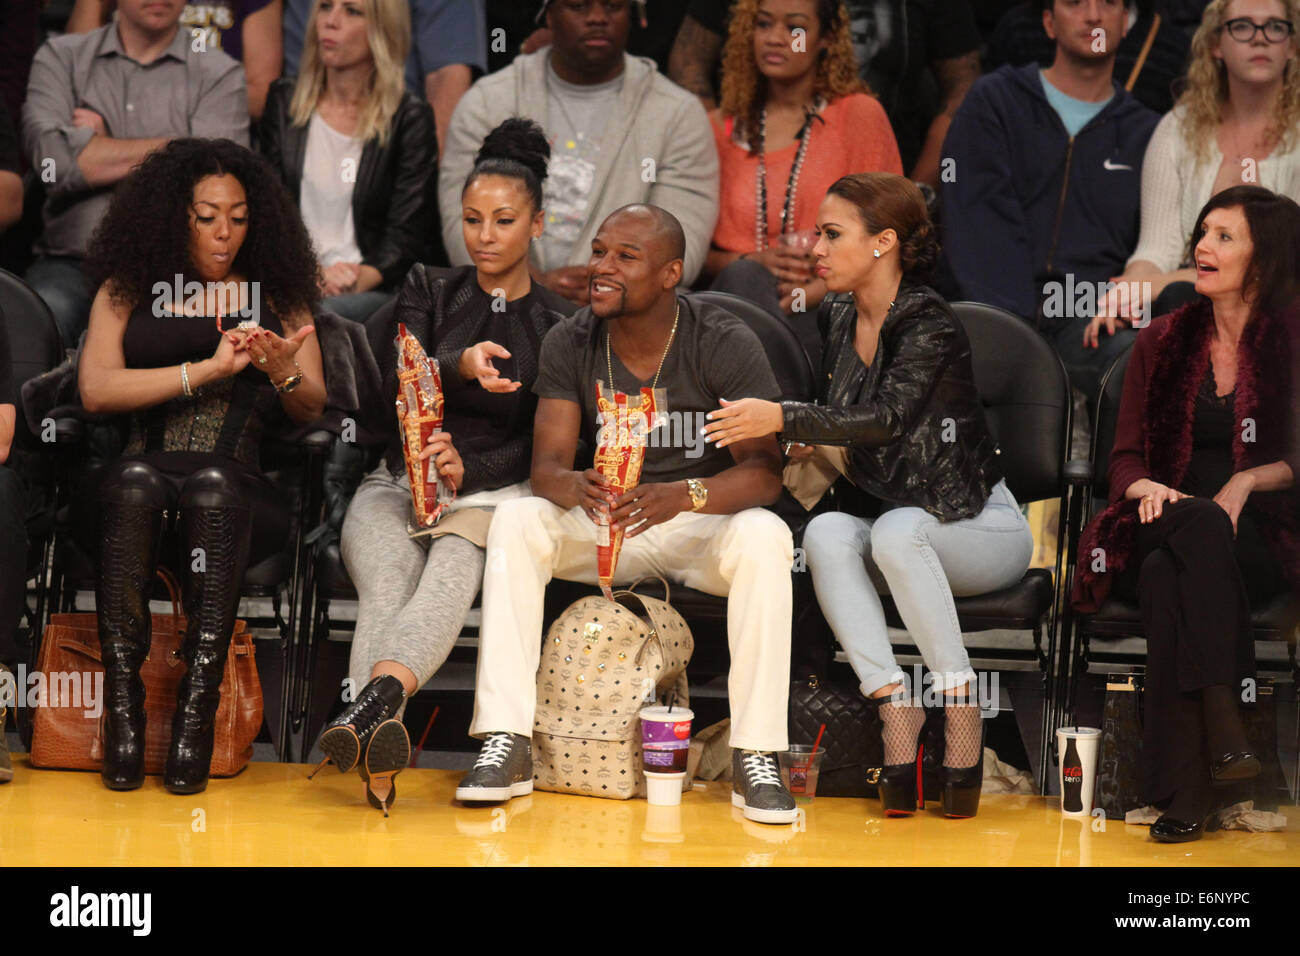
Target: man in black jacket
x=1041, y=177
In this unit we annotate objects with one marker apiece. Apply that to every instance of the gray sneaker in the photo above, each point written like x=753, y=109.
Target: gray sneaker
x=757, y=789
x=504, y=769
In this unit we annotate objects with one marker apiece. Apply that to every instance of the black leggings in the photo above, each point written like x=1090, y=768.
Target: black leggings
x=137, y=483
x=1195, y=582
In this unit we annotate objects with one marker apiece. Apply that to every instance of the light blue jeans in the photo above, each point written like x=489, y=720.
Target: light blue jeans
x=922, y=562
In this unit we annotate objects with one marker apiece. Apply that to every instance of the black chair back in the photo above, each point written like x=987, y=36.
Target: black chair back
x=33, y=335
x=1103, y=435
x=785, y=353
x=1026, y=396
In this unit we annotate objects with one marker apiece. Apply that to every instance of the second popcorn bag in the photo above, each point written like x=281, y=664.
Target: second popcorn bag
x=625, y=425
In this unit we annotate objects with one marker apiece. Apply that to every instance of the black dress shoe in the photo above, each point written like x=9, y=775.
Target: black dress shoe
x=1237, y=766
x=1166, y=830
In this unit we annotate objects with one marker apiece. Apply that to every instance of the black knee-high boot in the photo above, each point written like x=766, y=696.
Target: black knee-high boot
x=130, y=533
x=216, y=523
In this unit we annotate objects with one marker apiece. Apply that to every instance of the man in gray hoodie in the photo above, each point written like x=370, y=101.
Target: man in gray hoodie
x=620, y=133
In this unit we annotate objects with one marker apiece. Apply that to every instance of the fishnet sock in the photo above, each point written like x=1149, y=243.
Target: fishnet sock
x=900, y=725
x=962, y=736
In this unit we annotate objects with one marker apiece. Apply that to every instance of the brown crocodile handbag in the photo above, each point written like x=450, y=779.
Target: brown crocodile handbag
x=68, y=728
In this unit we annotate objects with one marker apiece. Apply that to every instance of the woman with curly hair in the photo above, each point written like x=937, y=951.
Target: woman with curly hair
x=484, y=324
x=794, y=118
x=900, y=418
x=1237, y=122
x=357, y=151
x=200, y=243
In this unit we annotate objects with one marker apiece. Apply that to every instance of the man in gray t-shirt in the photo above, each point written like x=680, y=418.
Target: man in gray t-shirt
x=697, y=516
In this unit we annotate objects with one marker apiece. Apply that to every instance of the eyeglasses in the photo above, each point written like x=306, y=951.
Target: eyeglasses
x=1244, y=30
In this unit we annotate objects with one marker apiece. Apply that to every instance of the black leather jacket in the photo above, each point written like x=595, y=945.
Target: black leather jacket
x=394, y=198
x=913, y=421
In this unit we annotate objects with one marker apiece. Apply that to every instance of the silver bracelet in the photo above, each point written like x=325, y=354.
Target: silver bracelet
x=185, y=380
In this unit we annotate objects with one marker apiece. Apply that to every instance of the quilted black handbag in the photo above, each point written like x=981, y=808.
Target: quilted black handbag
x=854, y=751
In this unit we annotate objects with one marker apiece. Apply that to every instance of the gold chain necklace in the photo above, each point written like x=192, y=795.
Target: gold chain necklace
x=609, y=360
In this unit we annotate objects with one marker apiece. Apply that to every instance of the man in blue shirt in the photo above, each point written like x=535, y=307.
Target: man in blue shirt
x=1040, y=183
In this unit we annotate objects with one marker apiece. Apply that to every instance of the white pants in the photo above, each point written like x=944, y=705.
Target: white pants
x=745, y=557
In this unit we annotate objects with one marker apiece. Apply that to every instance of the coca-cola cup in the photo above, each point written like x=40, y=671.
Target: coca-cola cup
x=1076, y=749
x=665, y=745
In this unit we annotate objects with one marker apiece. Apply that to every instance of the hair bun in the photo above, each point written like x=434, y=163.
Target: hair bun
x=518, y=139
x=920, y=251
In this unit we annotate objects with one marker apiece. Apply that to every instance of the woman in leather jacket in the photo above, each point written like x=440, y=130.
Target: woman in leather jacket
x=357, y=151
x=900, y=400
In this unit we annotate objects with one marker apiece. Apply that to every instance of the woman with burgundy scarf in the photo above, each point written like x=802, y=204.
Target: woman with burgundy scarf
x=1203, y=524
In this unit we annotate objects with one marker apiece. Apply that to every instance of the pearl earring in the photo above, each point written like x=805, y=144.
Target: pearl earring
x=876, y=253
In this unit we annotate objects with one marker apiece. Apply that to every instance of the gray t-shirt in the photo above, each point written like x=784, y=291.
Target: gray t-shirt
x=576, y=120
x=714, y=355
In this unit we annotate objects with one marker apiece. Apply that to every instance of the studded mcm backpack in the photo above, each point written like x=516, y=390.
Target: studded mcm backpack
x=602, y=661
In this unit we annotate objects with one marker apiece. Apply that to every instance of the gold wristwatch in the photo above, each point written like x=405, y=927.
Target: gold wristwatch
x=699, y=494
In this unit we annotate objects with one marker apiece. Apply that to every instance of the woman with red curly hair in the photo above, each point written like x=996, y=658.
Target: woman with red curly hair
x=794, y=118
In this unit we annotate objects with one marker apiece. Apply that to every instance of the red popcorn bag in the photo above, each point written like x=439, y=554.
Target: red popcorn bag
x=419, y=415
x=620, y=453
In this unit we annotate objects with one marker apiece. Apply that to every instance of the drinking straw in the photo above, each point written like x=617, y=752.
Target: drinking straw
x=672, y=699
x=820, y=730
x=415, y=755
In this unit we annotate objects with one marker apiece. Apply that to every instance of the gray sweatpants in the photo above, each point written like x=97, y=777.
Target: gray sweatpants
x=413, y=593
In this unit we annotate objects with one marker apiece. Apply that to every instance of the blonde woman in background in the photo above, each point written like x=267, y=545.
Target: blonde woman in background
x=1235, y=124
x=357, y=151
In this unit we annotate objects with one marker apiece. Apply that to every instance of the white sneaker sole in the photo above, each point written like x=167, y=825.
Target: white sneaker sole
x=494, y=794
x=763, y=816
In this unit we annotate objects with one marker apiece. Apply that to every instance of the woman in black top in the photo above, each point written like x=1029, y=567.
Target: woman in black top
x=900, y=400
x=200, y=237
x=484, y=325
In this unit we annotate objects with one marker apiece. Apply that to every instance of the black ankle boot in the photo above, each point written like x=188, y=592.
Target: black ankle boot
x=128, y=558
x=211, y=598
x=345, y=738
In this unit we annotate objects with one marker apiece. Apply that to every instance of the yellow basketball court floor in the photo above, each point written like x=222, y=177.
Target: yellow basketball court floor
x=272, y=815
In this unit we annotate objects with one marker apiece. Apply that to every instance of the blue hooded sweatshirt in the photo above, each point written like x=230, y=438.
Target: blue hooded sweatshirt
x=1027, y=203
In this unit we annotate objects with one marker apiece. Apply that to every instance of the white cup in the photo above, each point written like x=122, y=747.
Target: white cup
x=1079, y=778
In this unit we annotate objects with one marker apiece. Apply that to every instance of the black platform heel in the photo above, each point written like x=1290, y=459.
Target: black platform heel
x=900, y=786
x=960, y=786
